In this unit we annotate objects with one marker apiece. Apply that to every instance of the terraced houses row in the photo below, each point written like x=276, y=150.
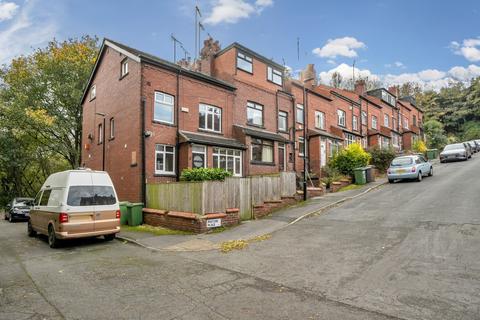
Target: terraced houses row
x=145, y=119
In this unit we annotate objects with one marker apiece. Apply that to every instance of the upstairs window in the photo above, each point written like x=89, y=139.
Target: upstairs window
x=282, y=121
x=341, y=117
x=415, y=120
x=405, y=123
x=364, y=118
x=93, y=92
x=244, y=62
x=355, y=123
x=300, y=113
x=210, y=118
x=374, y=122
x=164, y=110
x=274, y=75
x=301, y=146
x=254, y=114
x=320, y=120
x=386, y=120
x=124, y=68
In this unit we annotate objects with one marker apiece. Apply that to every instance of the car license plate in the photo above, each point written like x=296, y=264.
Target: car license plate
x=214, y=223
x=401, y=171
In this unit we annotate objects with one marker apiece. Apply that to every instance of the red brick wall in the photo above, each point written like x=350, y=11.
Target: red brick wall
x=120, y=99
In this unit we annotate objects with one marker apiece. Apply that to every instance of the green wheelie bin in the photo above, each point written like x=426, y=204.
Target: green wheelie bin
x=135, y=214
x=123, y=212
x=360, y=175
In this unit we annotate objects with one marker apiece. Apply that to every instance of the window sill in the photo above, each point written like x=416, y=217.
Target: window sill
x=91, y=99
x=173, y=175
x=164, y=123
x=261, y=163
x=121, y=77
x=111, y=138
x=133, y=165
x=280, y=85
x=282, y=131
x=255, y=125
x=209, y=131
x=251, y=73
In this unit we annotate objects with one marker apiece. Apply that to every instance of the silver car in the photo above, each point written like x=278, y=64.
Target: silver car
x=453, y=152
x=409, y=167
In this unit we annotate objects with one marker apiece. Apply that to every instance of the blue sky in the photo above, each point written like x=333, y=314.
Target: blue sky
x=431, y=42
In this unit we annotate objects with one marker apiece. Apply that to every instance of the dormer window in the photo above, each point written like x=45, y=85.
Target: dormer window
x=124, y=69
x=244, y=62
x=93, y=92
x=274, y=75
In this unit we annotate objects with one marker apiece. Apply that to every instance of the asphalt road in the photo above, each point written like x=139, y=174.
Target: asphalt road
x=406, y=251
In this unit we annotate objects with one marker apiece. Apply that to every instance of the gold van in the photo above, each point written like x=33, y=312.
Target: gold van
x=75, y=204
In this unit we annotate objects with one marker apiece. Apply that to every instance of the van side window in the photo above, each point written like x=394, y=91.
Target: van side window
x=55, y=198
x=45, y=197
x=36, y=202
x=91, y=196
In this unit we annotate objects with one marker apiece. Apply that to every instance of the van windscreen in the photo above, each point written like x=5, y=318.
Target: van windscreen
x=80, y=196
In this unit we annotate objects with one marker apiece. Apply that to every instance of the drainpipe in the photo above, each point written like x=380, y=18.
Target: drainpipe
x=294, y=134
x=144, y=179
x=177, y=117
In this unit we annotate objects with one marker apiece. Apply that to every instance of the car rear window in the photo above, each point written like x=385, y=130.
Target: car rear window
x=454, y=146
x=80, y=196
x=398, y=162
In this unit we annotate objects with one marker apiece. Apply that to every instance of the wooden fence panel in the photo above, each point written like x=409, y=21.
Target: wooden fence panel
x=288, y=184
x=178, y=196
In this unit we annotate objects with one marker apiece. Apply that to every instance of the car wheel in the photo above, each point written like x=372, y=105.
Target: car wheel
x=420, y=176
x=391, y=180
x=10, y=218
x=31, y=233
x=109, y=237
x=5, y=217
x=431, y=172
x=52, y=238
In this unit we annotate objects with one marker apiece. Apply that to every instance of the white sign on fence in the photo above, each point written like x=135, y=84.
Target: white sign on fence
x=214, y=223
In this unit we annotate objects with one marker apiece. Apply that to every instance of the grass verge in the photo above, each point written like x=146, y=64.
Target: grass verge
x=158, y=231
x=350, y=187
x=231, y=245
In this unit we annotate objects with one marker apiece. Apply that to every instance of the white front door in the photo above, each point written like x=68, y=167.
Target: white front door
x=323, y=153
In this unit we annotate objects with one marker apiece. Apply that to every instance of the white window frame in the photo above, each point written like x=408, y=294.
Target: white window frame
x=374, y=123
x=124, y=68
x=341, y=117
x=164, y=152
x=284, y=116
x=210, y=111
x=93, y=92
x=100, y=133
x=301, y=152
x=320, y=120
x=350, y=139
x=405, y=123
x=364, y=118
x=161, y=100
x=247, y=59
x=112, y=128
x=274, y=75
x=355, y=123
x=228, y=153
x=386, y=120
x=301, y=109
x=256, y=107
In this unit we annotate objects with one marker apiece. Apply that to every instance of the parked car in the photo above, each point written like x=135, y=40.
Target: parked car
x=469, y=149
x=75, y=204
x=409, y=167
x=473, y=145
x=18, y=209
x=455, y=152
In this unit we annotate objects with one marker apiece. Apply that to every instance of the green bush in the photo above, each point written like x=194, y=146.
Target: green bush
x=381, y=158
x=419, y=146
x=350, y=158
x=330, y=175
x=204, y=174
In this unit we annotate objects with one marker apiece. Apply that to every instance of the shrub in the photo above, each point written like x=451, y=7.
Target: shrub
x=204, y=174
x=381, y=158
x=419, y=146
x=350, y=158
x=330, y=175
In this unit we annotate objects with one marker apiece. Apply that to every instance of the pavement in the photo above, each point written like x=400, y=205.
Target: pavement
x=248, y=229
x=407, y=250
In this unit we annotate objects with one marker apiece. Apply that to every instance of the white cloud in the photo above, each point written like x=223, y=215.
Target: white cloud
x=30, y=28
x=397, y=64
x=7, y=10
x=331, y=61
x=469, y=49
x=431, y=75
x=346, y=72
x=465, y=74
x=339, y=47
x=231, y=11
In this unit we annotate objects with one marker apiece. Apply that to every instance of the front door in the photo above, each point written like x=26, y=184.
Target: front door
x=323, y=153
x=281, y=156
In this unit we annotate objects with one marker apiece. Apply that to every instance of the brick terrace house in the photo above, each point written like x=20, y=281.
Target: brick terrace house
x=146, y=119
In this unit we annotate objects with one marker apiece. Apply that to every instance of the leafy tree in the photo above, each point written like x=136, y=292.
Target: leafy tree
x=336, y=80
x=41, y=94
x=471, y=131
x=435, y=133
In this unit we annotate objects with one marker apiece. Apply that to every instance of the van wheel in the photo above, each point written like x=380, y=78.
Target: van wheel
x=52, y=238
x=109, y=237
x=420, y=176
x=31, y=233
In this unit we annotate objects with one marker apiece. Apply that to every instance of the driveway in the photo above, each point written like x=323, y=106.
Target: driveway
x=405, y=251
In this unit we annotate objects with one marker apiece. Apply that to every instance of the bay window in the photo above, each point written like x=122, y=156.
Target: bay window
x=228, y=159
x=262, y=150
x=164, y=159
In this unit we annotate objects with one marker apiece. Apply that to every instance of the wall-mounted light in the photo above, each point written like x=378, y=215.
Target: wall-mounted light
x=147, y=134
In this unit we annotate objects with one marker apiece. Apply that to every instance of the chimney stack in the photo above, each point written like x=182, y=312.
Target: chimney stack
x=207, y=54
x=310, y=75
x=394, y=90
x=360, y=87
